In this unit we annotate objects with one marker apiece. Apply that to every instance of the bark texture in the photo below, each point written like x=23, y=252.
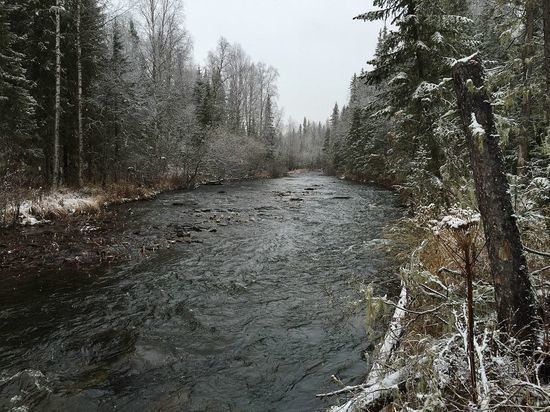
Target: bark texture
x=546, y=19
x=56, y=168
x=513, y=292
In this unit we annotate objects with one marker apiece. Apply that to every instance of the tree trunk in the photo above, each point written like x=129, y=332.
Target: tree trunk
x=117, y=143
x=527, y=56
x=79, y=91
x=56, y=174
x=513, y=293
x=546, y=18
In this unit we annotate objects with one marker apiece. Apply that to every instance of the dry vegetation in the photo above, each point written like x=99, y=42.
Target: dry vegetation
x=431, y=361
x=30, y=207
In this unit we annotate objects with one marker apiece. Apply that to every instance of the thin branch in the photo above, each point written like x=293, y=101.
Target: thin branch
x=341, y=391
x=536, y=252
x=413, y=312
x=544, y=269
x=450, y=271
x=433, y=292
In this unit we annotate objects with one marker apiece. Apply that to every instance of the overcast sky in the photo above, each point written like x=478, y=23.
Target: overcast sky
x=315, y=44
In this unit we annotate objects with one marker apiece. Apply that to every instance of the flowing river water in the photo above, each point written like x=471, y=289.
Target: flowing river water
x=255, y=315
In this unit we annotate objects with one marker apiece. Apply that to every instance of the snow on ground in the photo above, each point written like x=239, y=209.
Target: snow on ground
x=33, y=212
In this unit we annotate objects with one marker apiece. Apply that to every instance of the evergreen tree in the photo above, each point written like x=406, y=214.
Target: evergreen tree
x=268, y=130
x=203, y=101
x=412, y=63
x=335, y=117
x=354, y=140
x=17, y=106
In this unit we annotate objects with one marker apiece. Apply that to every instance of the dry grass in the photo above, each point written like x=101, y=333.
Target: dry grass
x=436, y=325
x=91, y=200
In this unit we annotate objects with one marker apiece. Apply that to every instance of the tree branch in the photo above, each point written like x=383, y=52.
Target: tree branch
x=536, y=252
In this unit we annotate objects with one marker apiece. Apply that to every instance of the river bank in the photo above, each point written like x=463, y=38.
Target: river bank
x=82, y=228
x=425, y=361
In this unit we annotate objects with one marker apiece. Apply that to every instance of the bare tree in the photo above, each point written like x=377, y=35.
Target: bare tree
x=167, y=45
x=56, y=149
x=217, y=60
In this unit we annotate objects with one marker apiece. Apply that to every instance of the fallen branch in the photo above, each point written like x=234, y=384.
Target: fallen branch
x=379, y=385
x=391, y=340
x=376, y=396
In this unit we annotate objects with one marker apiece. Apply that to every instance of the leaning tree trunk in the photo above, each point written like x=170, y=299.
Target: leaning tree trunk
x=546, y=18
x=514, y=296
x=56, y=174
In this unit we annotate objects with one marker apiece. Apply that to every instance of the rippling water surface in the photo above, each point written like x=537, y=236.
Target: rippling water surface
x=257, y=317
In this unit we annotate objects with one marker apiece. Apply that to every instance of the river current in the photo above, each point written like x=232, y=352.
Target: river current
x=256, y=315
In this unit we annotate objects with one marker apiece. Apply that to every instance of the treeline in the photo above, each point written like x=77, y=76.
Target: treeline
x=401, y=125
x=88, y=97
x=302, y=145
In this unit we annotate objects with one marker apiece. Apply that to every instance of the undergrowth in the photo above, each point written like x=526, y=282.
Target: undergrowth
x=434, y=347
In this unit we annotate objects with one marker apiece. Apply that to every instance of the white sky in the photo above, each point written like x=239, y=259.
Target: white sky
x=315, y=44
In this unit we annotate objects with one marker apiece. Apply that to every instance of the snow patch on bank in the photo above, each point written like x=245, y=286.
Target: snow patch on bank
x=58, y=204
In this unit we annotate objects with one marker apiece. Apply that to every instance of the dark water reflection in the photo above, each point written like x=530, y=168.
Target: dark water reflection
x=255, y=318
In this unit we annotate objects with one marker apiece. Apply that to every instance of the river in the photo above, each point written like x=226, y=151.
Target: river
x=255, y=315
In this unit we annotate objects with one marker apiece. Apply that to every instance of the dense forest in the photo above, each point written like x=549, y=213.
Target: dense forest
x=401, y=124
x=454, y=111
x=91, y=97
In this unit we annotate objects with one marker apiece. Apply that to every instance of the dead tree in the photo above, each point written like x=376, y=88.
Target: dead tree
x=513, y=293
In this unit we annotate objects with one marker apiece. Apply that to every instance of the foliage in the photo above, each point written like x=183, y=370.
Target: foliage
x=401, y=128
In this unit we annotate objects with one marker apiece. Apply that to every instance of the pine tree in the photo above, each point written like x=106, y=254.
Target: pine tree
x=411, y=64
x=335, y=117
x=268, y=130
x=114, y=100
x=354, y=140
x=17, y=106
x=203, y=101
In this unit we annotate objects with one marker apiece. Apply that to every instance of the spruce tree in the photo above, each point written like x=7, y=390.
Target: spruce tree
x=411, y=65
x=17, y=106
x=268, y=130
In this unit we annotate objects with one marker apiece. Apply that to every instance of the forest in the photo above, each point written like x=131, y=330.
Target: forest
x=452, y=112
x=97, y=98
